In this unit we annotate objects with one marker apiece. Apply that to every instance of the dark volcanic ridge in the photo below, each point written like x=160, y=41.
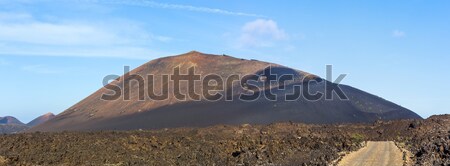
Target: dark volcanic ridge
x=93, y=113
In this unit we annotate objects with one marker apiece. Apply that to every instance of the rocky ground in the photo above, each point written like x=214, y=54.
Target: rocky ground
x=276, y=144
x=430, y=141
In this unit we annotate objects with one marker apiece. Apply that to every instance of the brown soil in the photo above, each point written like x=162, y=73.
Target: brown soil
x=275, y=144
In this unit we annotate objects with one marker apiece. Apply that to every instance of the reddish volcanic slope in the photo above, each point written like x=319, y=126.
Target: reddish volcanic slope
x=93, y=113
x=41, y=119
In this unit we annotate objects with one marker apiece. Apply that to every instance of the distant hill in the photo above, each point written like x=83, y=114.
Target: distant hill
x=7, y=120
x=41, y=119
x=9, y=124
x=93, y=113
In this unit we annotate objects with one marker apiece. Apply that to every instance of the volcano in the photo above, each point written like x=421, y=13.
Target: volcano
x=9, y=120
x=41, y=119
x=137, y=111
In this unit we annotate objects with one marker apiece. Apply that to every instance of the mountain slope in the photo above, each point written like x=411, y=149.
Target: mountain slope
x=7, y=120
x=93, y=113
x=41, y=119
x=12, y=128
x=9, y=124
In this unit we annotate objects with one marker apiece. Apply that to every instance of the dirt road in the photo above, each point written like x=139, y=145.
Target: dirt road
x=376, y=154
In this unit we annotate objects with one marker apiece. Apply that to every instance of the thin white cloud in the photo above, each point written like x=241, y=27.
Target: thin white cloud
x=110, y=52
x=398, y=34
x=21, y=34
x=56, y=34
x=153, y=4
x=18, y=27
x=40, y=69
x=261, y=33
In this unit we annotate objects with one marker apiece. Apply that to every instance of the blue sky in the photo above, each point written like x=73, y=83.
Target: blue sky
x=55, y=53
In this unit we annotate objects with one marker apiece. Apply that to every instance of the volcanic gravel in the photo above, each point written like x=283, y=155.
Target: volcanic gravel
x=275, y=144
